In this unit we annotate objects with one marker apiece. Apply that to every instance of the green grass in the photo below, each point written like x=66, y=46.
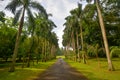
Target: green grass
x=60, y=57
x=25, y=73
x=93, y=71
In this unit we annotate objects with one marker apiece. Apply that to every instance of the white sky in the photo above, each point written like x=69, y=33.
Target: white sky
x=58, y=8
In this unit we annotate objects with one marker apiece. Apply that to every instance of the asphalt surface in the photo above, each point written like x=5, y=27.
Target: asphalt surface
x=61, y=71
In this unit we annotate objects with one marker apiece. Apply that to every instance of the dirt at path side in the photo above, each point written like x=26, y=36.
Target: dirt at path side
x=61, y=71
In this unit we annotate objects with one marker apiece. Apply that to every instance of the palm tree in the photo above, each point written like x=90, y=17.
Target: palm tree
x=80, y=12
x=78, y=15
x=70, y=33
x=22, y=5
x=43, y=29
x=110, y=65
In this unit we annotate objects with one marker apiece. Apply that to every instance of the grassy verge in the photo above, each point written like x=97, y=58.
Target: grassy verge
x=25, y=73
x=63, y=57
x=95, y=71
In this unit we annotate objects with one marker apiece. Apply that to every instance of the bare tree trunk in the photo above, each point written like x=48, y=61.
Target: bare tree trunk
x=12, y=68
x=110, y=65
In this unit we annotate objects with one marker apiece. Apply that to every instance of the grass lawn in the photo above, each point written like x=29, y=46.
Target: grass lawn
x=25, y=73
x=93, y=71
x=60, y=57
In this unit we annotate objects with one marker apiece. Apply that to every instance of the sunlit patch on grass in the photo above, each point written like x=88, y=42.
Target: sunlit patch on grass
x=34, y=69
x=63, y=57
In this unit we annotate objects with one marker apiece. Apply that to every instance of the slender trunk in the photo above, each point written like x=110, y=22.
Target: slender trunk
x=47, y=50
x=51, y=51
x=12, y=68
x=73, y=45
x=28, y=60
x=29, y=53
x=82, y=45
x=81, y=38
x=110, y=65
x=84, y=60
x=38, y=51
x=37, y=60
x=67, y=51
x=43, y=52
x=77, y=46
x=97, y=57
x=23, y=63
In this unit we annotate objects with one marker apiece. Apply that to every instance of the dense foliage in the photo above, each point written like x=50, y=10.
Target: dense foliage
x=37, y=41
x=82, y=34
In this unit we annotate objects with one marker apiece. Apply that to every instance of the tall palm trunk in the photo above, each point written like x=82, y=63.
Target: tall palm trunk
x=51, y=50
x=97, y=57
x=67, y=51
x=77, y=46
x=30, y=52
x=48, y=50
x=12, y=68
x=82, y=45
x=73, y=45
x=45, y=56
x=110, y=65
x=38, y=50
x=43, y=52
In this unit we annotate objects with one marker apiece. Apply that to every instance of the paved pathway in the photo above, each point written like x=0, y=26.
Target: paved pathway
x=61, y=71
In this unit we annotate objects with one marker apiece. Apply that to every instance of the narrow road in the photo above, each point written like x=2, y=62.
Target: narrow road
x=61, y=71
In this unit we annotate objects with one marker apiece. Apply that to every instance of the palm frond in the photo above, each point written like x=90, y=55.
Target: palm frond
x=115, y=51
x=13, y=5
x=50, y=14
x=17, y=16
x=31, y=18
x=79, y=9
x=52, y=23
x=38, y=6
x=2, y=15
x=89, y=1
